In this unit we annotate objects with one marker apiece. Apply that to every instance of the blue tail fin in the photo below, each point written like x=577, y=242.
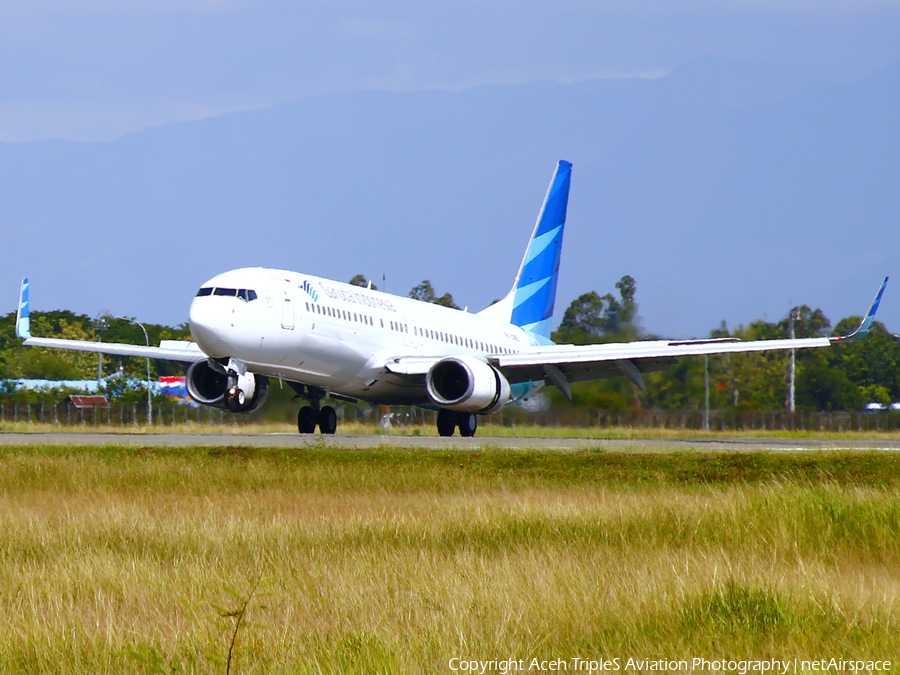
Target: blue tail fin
x=535, y=287
x=23, y=322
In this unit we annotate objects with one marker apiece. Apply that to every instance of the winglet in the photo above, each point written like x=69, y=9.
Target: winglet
x=23, y=323
x=866, y=323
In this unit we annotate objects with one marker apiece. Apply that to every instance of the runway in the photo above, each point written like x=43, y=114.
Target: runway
x=378, y=441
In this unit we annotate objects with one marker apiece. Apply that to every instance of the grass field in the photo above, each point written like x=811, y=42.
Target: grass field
x=309, y=561
x=484, y=431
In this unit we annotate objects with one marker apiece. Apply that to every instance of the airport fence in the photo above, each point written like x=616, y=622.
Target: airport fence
x=168, y=413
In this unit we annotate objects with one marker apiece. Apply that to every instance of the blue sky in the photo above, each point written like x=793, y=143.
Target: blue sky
x=96, y=69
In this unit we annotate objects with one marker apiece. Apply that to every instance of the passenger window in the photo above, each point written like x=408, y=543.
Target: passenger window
x=205, y=291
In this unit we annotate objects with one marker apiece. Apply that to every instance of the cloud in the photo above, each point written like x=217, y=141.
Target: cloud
x=22, y=121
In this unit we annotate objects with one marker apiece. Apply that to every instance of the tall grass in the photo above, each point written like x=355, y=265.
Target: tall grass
x=118, y=560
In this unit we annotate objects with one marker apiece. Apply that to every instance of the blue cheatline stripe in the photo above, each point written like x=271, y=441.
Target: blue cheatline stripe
x=535, y=294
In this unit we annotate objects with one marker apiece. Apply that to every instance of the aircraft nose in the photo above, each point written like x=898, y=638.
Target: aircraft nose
x=207, y=328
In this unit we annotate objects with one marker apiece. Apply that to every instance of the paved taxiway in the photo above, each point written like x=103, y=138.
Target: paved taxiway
x=376, y=441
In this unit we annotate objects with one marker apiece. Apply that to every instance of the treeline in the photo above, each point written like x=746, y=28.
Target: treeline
x=845, y=376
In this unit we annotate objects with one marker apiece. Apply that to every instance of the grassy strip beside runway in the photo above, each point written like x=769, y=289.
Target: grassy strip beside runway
x=413, y=431
x=319, y=560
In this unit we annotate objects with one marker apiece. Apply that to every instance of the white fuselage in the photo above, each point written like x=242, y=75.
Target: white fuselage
x=336, y=336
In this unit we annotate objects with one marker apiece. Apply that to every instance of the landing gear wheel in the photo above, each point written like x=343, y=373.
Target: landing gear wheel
x=306, y=420
x=235, y=399
x=446, y=422
x=468, y=423
x=327, y=420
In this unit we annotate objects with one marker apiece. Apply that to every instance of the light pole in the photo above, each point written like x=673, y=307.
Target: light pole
x=795, y=315
x=705, y=392
x=101, y=323
x=149, y=398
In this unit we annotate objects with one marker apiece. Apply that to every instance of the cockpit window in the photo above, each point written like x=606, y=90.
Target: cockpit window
x=245, y=294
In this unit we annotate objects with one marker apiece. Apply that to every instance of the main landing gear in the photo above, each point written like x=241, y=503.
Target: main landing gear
x=449, y=420
x=315, y=415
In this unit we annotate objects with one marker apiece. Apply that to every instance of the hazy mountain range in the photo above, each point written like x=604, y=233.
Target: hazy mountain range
x=727, y=190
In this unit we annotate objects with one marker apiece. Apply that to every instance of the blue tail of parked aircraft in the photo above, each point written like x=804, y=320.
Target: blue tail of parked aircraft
x=530, y=303
x=23, y=319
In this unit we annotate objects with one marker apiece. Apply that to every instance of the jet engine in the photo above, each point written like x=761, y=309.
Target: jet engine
x=210, y=384
x=467, y=384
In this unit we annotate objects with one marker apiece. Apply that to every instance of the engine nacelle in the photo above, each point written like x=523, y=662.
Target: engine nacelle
x=467, y=384
x=214, y=387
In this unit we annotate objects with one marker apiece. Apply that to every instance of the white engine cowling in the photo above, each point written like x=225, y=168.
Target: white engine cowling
x=467, y=384
x=210, y=386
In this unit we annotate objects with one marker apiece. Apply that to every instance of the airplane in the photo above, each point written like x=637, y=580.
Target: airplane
x=327, y=339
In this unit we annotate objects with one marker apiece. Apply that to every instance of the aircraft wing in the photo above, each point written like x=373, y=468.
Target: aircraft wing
x=563, y=364
x=168, y=350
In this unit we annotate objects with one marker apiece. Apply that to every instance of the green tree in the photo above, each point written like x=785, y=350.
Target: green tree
x=750, y=380
x=592, y=318
x=820, y=387
x=583, y=320
x=361, y=281
x=424, y=292
x=808, y=322
x=874, y=360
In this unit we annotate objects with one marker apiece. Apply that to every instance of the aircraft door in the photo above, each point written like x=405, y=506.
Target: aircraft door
x=414, y=334
x=287, y=311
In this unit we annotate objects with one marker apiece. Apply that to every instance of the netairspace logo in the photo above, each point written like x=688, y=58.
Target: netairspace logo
x=700, y=665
